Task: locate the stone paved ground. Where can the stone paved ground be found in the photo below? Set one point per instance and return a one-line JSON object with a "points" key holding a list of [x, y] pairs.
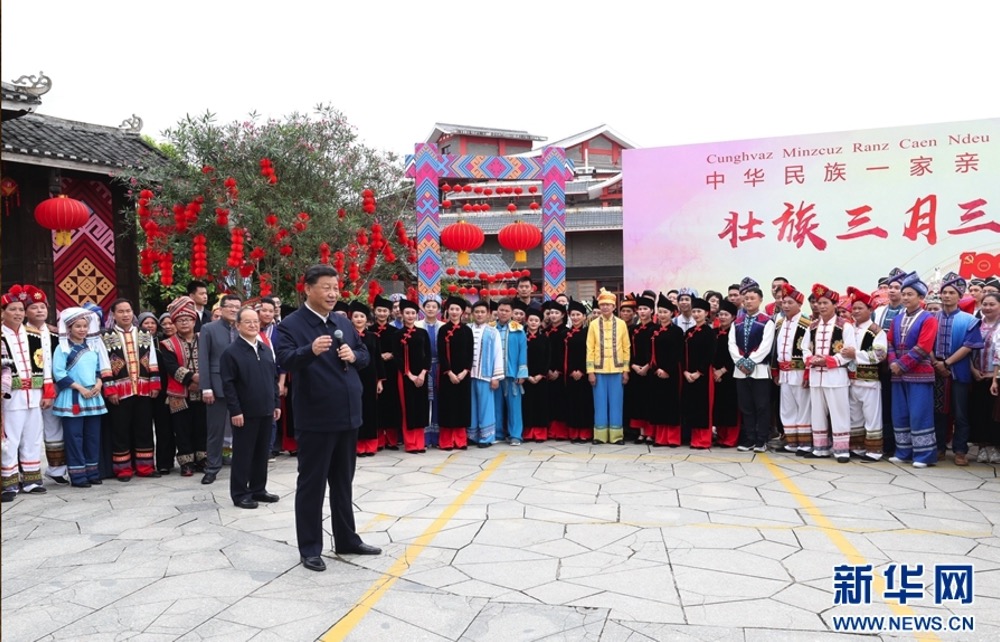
{"points": [[551, 542]]}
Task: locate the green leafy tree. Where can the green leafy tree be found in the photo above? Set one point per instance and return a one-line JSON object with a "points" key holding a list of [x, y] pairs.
{"points": [[249, 205]]}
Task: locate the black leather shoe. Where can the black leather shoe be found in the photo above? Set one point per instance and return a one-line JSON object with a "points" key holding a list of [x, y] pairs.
{"points": [[267, 498], [314, 563], [81, 485], [96, 482], [246, 502], [208, 478], [362, 549]]}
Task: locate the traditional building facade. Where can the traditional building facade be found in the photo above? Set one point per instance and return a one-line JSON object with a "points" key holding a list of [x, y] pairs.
{"points": [[44, 156], [593, 199]]}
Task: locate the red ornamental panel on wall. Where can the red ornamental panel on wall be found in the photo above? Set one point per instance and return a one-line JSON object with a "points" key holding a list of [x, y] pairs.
{"points": [[84, 270]]}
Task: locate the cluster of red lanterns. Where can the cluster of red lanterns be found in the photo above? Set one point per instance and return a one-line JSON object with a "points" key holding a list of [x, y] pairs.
{"points": [[488, 191], [167, 268], [475, 208], [146, 259], [265, 284], [374, 289], [199, 257], [236, 248], [267, 171], [368, 201], [221, 217], [231, 189], [302, 222], [324, 252], [488, 280], [146, 222], [185, 215]]}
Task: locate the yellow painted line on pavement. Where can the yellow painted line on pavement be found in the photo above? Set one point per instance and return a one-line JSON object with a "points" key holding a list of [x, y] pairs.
{"points": [[380, 517], [378, 589], [836, 536], [440, 467]]}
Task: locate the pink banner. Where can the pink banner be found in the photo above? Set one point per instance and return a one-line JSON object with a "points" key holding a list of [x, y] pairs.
{"points": [[840, 208]]}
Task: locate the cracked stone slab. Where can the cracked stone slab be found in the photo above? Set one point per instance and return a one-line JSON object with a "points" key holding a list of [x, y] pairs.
{"points": [[503, 622]]}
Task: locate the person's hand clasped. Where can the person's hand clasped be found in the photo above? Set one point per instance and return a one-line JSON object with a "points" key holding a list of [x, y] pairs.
{"points": [[237, 421]]}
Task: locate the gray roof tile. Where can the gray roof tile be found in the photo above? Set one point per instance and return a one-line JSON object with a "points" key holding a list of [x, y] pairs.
{"points": [[577, 220], [88, 144]]}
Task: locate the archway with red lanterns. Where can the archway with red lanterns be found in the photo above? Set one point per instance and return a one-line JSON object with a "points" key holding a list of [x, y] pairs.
{"points": [[428, 167]]}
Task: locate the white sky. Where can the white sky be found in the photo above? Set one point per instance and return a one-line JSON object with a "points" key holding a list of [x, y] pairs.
{"points": [[661, 73]]}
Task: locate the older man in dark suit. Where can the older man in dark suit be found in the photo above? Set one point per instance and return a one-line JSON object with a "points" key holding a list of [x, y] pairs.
{"points": [[323, 353], [213, 339], [251, 387]]}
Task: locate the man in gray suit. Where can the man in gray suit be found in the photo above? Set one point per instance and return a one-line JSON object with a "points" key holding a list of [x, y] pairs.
{"points": [[214, 338]]}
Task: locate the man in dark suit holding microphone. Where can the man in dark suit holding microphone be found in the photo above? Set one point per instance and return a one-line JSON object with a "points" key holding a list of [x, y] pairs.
{"points": [[324, 353]]}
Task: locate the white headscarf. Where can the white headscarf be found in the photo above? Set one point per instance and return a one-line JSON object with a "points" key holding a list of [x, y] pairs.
{"points": [[94, 342]]}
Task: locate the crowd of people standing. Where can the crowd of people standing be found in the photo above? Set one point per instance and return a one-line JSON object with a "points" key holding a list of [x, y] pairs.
{"points": [[896, 371]]}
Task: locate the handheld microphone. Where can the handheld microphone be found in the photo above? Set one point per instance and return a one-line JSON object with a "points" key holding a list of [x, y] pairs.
{"points": [[338, 336]]}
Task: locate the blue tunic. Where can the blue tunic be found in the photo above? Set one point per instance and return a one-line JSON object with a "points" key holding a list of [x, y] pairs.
{"points": [[80, 366]]}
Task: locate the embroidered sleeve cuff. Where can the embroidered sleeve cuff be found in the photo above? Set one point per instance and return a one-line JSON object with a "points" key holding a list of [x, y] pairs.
{"points": [[65, 382]]}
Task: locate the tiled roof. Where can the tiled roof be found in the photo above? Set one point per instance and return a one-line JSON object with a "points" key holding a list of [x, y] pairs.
{"points": [[577, 220], [489, 263], [440, 129], [84, 144], [576, 139], [13, 93]]}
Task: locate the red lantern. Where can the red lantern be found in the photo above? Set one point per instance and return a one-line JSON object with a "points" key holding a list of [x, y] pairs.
{"points": [[519, 237], [463, 238], [534, 205], [62, 214], [446, 204], [533, 189], [450, 271]]}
